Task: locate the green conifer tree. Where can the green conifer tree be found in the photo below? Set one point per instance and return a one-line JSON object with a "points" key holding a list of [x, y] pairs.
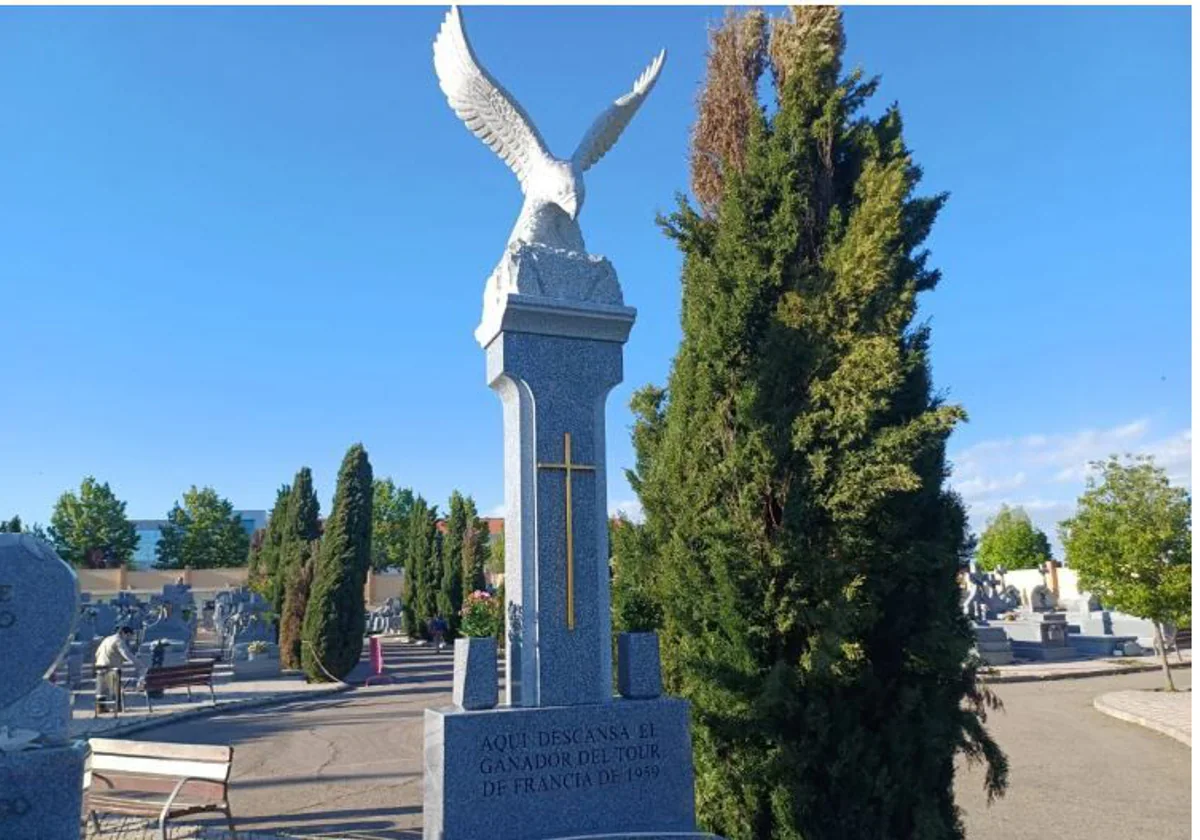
{"points": [[301, 525], [805, 548], [476, 549], [420, 600], [264, 563], [295, 605], [454, 543], [335, 618]]}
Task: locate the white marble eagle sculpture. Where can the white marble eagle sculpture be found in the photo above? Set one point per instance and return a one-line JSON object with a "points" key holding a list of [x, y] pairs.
{"points": [[553, 187]]}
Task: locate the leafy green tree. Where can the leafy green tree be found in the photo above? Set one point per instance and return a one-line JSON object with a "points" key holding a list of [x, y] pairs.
{"points": [[450, 586], [92, 524], [11, 526], [1011, 540], [335, 620], [389, 536], [1130, 541], [804, 547], [202, 533], [264, 561]]}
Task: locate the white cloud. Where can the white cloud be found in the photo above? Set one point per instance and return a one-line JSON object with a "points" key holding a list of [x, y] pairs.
{"points": [[497, 512], [630, 508], [1045, 473]]}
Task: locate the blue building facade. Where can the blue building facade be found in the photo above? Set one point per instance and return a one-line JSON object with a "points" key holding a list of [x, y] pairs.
{"points": [[144, 556]]}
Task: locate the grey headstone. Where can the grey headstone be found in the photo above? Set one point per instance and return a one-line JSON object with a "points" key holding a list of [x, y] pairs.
{"points": [[41, 791], [41, 788], [475, 684], [568, 771], [46, 709], [174, 629], [38, 593], [639, 669]]}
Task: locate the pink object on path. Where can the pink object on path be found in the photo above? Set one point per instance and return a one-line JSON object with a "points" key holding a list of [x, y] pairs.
{"points": [[376, 652]]}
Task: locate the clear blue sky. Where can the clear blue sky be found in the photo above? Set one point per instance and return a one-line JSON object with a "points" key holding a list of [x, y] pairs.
{"points": [[237, 240]]}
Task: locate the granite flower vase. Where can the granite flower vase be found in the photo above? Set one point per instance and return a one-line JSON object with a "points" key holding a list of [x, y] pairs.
{"points": [[475, 683], [639, 669]]}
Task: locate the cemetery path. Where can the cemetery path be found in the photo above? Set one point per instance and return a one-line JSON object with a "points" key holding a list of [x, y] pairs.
{"points": [[348, 767], [1077, 774]]}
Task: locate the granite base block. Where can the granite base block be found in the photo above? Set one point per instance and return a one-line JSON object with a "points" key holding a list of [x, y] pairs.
{"points": [[475, 684], [602, 770], [639, 669], [41, 792]]}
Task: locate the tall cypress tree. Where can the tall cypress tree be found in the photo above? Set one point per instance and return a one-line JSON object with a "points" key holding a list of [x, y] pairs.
{"points": [[450, 590], [335, 619], [300, 526], [420, 600], [295, 605], [264, 567], [476, 547], [792, 474]]}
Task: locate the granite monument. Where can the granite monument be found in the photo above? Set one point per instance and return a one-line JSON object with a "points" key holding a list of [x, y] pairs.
{"points": [[562, 757]]}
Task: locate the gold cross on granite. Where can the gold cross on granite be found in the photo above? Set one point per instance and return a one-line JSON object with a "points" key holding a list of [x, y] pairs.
{"points": [[569, 467]]}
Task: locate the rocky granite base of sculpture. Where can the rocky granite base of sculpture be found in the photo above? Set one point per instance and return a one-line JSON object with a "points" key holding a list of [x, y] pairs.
{"points": [[607, 769], [552, 274]]}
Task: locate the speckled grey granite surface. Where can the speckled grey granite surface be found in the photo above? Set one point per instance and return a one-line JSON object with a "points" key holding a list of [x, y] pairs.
{"points": [[639, 668], [623, 767]]}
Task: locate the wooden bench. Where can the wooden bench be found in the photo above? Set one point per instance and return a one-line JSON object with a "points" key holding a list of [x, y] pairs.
{"points": [[156, 780], [189, 676]]}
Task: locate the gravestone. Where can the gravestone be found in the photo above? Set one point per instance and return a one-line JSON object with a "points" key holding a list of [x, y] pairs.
{"points": [[562, 757], [255, 629], [41, 770]]}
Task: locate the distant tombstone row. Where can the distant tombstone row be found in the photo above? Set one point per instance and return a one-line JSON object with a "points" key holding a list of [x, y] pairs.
{"points": [[987, 598], [240, 616], [387, 618]]}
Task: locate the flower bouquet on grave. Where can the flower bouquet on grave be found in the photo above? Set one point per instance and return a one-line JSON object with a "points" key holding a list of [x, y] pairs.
{"points": [[255, 649], [480, 615]]}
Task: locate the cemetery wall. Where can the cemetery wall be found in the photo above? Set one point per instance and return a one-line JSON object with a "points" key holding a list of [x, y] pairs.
{"points": [[104, 583], [1026, 579]]}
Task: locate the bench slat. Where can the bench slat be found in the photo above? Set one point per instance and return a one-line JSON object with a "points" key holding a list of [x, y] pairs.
{"points": [[179, 768], [127, 787], [160, 749]]}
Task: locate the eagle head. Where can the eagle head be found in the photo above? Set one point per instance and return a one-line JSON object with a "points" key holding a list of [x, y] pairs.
{"points": [[560, 182]]}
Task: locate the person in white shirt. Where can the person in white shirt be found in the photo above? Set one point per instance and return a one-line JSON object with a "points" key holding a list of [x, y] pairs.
{"points": [[112, 652]]}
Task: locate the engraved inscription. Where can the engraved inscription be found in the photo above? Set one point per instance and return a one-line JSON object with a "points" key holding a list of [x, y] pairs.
{"points": [[7, 617], [536, 761], [18, 806]]}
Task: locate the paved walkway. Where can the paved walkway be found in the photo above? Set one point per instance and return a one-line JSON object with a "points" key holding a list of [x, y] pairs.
{"points": [[175, 705], [1167, 712], [1076, 774], [1077, 668], [351, 766]]}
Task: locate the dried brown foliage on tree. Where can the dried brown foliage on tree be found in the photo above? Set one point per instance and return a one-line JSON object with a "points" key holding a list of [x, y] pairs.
{"points": [[727, 103], [812, 38], [295, 602]]}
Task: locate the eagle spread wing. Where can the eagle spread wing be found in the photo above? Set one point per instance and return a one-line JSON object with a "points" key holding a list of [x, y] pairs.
{"points": [[482, 103], [609, 125]]}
